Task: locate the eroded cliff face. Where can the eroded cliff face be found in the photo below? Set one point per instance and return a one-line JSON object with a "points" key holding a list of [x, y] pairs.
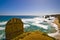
{"points": [[57, 20], [56, 15], [14, 27]]}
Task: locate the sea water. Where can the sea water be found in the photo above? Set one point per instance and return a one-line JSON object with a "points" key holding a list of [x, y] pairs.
{"points": [[31, 23]]}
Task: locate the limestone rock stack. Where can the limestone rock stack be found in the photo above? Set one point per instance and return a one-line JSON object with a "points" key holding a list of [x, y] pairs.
{"points": [[14, 27]]}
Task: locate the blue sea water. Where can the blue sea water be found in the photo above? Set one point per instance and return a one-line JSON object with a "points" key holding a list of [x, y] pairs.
{"points": [[29, 25], [5, 18]]}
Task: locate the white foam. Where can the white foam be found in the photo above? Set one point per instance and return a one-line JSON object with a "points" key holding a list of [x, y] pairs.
{"points": [[2, 28], [53, 34], [41, 25], [36, 22], [39, 19], [3, 23], [52, 19], [1, 36], [26, 25], [56, 27], [27, 20]]}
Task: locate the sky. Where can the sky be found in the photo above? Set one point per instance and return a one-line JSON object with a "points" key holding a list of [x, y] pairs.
{"points": [[29, 7]]}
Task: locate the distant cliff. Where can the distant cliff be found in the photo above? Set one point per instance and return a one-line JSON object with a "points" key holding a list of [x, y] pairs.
{"points": [[57, 20], [55, 15]]}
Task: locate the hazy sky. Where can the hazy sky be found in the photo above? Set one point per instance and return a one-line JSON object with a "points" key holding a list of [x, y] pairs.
{"points": [[24, 7]]}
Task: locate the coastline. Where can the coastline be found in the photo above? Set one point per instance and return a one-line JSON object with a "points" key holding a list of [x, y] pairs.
{"points": [[56, 21]]}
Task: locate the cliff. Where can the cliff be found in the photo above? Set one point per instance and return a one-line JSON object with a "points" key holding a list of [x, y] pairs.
{"points": [[57, 20], [55, 15], [37, 35]]}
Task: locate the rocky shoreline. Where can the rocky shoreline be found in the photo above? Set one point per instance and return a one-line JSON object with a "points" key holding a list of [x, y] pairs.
{"points": [[57, 22]]}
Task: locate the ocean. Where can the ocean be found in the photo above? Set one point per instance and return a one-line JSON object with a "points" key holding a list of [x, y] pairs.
{"points": [[31, 23]]}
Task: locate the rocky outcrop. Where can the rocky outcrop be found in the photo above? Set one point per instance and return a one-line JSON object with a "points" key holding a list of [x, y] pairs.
{"points": [[56, 15], [14, 27]]}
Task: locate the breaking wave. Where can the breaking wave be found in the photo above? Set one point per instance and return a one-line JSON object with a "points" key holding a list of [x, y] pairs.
{"points": [[3, 23], [2, 28]]}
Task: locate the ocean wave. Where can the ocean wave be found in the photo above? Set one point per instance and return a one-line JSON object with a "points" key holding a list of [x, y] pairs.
{"points": [[1, 36], [26, 25], [2, 28], [35, 21], [3, 23], [56, 33], [27, 20], [53, 34], [41, 25]]}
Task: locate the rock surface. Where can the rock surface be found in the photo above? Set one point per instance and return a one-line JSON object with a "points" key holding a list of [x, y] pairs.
{"points": [[14, 27], [36, 35]]}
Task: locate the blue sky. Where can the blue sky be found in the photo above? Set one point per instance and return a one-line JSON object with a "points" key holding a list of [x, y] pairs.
{"points": [[24, 7]]}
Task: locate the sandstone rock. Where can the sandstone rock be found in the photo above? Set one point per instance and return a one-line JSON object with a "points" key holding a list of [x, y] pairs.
{"points": [[36, 35], [14, 27], [55, 15]]}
